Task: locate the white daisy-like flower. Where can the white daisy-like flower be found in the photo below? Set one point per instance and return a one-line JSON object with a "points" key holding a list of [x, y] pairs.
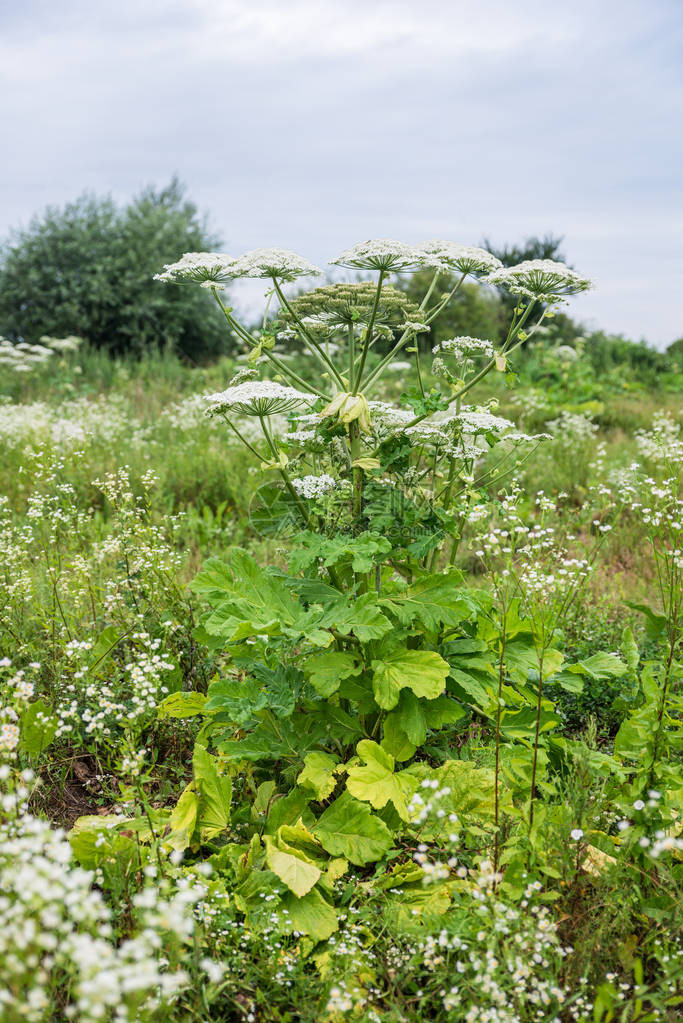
{"points": [[280, 263], [257, 398], [464, 346], [542, 279], [466, 259], [198, 268], [381, 254]]}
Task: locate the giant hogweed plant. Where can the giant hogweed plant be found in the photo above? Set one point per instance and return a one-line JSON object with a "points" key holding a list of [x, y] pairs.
{"points": [[349, 675]]}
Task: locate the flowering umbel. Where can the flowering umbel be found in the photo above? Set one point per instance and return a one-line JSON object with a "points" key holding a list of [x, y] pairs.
{"points": [[543, 279], [257, 398]]}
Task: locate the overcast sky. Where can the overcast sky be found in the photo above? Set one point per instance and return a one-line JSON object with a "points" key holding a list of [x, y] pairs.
{"points": [[314, 124]]}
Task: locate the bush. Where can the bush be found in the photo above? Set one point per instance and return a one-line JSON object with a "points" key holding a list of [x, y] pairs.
{"points": [[87, 270]]}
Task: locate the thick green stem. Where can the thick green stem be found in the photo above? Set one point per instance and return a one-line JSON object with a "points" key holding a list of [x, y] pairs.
{"points": [[244, 334], [307, 336], [246, 443], [357, 473], [352, 355], [430, 289], [285, 475], [446, 494], [368, 333], [408, 333]]}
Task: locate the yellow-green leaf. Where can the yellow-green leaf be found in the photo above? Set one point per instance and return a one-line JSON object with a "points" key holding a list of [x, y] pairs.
{"points": [[297, 872], [326, 671], [183, 820], [318, 774], [311, 915], [348, 828], [423, 671], [215, 793], [374, 781], [181, 705]]}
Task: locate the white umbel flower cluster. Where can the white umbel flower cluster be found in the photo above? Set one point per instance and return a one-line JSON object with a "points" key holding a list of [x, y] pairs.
{"points": [[472, 420], [542, 279], [465, 347], [314, 486], [257, 398], [384, 415], [213, 268], [465, 259], [381, 254], [23, 357], [62, 345], [198, 268], [565, 353], [570, 427], [280, 263], [427, 433]]}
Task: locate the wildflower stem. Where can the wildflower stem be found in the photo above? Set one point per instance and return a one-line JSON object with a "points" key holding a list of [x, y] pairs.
{"points": [[357, 473], [408, 332], [499, 703], [285, 475], [352, 353], [368, 333], [444, 302], [248, 339], [306, 335], [430, 289], [532, 795], [660, 716], [417, 368], [243, 439]]}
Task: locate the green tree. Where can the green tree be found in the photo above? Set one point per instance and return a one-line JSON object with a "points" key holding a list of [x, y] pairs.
{"points": [[87, 269], [474, 311], [548, 247], [675, 352]]}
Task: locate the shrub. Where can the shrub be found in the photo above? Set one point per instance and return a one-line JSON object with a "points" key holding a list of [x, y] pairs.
{"points": [[86, 270]]}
